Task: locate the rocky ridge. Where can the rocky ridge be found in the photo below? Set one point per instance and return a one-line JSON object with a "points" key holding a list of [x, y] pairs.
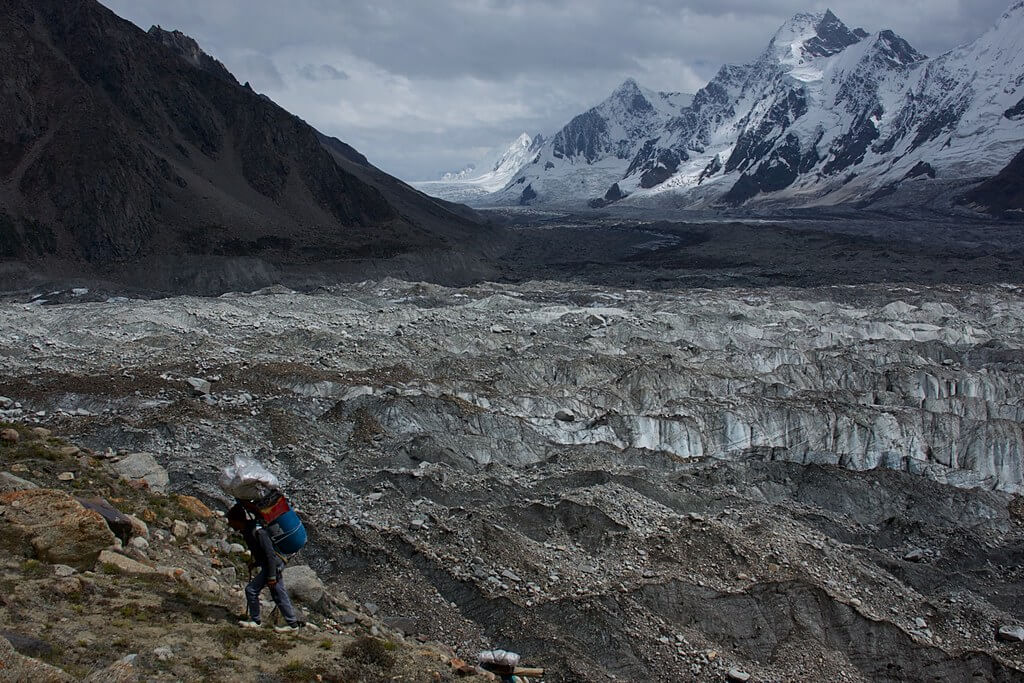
{"points": [[137, 158], [109, 596], [645, 485]]}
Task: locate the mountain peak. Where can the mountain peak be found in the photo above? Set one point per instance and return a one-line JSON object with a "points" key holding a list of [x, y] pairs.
{"points": [[628, 87], [806, 36], [630, 97]]}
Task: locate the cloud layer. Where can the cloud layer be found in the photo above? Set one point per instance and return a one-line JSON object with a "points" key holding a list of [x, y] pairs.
{"points": [[425, 87]]}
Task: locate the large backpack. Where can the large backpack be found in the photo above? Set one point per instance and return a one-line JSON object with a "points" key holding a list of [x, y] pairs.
{"points": [[281, 521]]}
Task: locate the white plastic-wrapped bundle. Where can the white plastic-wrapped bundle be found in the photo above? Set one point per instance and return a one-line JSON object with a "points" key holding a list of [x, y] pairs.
{"points": [[247, 479], [500, 658]]}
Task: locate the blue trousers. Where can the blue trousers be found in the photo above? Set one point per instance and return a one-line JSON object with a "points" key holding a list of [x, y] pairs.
{"points": [[277, 592]]}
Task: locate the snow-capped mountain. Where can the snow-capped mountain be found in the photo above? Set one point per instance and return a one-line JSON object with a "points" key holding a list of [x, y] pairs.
{"points": [[498, 168], [597, 148], [825, 115]]}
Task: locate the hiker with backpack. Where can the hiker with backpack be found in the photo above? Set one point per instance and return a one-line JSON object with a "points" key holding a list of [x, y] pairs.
{"points": [[271, 569]]}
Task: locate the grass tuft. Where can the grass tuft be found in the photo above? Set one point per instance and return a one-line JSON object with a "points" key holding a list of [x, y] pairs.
{"points": [[372, 652]]}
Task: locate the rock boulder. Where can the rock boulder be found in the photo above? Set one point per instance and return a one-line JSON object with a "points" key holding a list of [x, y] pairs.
{"points": [[17, 667], [195, 507], [145, 467], [304, 585], [10, 482], [52, 526]]}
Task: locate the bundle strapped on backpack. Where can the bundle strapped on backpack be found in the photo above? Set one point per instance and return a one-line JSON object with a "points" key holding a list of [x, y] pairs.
{"points": [[281, 521]]}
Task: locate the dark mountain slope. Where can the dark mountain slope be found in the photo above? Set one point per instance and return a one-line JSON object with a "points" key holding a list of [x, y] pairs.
{"points": [[1003, 192], [120, 146]]}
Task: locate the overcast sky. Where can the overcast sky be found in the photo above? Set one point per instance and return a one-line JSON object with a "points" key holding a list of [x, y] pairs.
{"points": [[422, 86]]}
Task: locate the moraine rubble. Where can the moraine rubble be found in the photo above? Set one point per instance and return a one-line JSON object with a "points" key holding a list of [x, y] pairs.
{"points": [[630, 485]]}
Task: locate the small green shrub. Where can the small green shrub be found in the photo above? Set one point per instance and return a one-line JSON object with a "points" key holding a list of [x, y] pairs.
{"points": [[33, 568], [298, 672], [371, 651]]}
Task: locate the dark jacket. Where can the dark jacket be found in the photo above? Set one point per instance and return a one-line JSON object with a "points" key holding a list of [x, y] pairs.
{"points": [[262, 549]]}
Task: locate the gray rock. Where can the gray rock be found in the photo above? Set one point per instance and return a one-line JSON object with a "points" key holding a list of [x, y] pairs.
{"points": [[304, 585], [406, 625], [6, 402], [200, 387], [63, 571], [163, 653], [10, 482], [1011, 634], [738, 675], [143, 466], [371, 608], [510, 575], [565, 416], [914, 555]]}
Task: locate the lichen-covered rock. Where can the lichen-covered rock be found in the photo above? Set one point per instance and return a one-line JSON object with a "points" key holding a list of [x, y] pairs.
{"points": [[143, 466], [52, 526], [195, 507], [125, 564], [10, 482], [124, 670], [16, 667], [139, 528]]}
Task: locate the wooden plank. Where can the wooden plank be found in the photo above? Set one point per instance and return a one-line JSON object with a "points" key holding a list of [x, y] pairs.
{"points": [[527, 671]]}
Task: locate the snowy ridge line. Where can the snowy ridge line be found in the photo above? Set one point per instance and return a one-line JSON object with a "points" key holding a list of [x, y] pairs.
{"points": [[825, 115]]}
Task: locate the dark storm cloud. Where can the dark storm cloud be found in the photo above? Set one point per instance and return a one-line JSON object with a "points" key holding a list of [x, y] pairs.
{"points": [[424, 82]]}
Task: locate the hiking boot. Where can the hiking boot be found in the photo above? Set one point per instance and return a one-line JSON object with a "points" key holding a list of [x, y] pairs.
{"points": [[289, 628], [249, 624]]}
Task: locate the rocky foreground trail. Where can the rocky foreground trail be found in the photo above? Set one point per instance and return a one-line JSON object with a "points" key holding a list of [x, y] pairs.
{"points": [[96, 593], [773, 484]]}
